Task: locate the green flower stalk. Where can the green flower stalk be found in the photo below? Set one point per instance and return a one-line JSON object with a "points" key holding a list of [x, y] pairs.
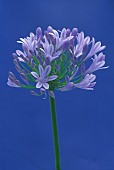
{"points": [[56, 60], [55, 133]]}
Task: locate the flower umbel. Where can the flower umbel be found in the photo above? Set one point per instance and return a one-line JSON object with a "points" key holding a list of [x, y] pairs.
{"points": [[57, 60]]}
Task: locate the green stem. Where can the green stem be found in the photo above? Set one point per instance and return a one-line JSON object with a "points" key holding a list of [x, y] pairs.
{"points": [[55, 133]]}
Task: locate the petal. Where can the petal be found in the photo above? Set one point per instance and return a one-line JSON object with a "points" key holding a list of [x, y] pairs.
{"points": [[58, 53], [93, 42], [67, 79], [47, 70], [39, 85], [87, 40], [24, 77], [23, 40], [69, 38], [80, 37], [18, 52], [41, 70], [42, 50], [12, 75], [74, 32], [35, 74], [49, 29], [25, 49], [38, 32], [68, 32], [51, 33], [53, 58], [92, 84], [102, 48], [42, 90], [11, 84], [55, 33], [103, 68], [51, 93], [51, 78], [47, 60], [68, 87], [19, 42], [97, 45], [92, 77], [14, 55], [34, 93], [20, 59], [63, 33], [51, 47], [46, 85]]}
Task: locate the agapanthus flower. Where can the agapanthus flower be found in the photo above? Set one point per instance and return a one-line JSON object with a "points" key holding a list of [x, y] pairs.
{"points": [[42, 80], [56, 60]]}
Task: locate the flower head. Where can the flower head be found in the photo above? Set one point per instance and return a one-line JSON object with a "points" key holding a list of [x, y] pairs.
{"points": [[57, 60]]}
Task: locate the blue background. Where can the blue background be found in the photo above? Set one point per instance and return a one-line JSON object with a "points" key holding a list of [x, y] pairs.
{"points": [[86, 118]]}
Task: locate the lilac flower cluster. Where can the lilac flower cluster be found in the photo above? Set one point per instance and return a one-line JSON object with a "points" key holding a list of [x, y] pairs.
{"points": [[57, 60]]}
